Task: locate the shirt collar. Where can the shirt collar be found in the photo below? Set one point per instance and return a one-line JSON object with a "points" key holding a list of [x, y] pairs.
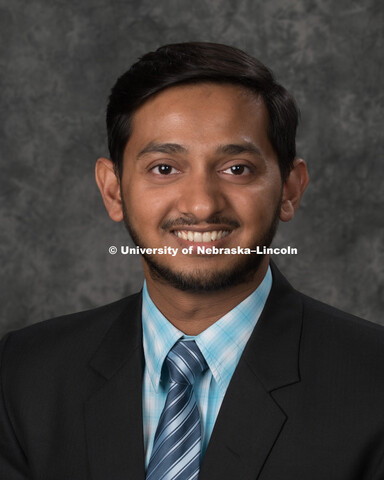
{"points": [[159, 336], [221, 344]]}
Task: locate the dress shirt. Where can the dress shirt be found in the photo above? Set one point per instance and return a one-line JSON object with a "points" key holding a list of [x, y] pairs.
{"points": [[221, 344]]}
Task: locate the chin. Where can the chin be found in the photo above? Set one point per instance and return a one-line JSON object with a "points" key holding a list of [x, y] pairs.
{"points": [[202, 280]]}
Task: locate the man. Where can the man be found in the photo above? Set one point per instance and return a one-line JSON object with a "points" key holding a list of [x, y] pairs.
{"points": [[218, 369]]}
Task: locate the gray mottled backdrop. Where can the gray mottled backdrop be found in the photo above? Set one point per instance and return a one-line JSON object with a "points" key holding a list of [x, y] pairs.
{"points": [[58, 62]]}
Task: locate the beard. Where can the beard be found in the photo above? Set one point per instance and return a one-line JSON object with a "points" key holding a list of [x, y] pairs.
{"points": [[199, 280]]}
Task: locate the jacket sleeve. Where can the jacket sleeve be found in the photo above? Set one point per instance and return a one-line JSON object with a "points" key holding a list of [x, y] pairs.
{"points": [[13, 462]]}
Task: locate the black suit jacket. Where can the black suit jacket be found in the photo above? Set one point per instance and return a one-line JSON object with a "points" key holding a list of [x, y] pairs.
{"points": [[306, 401]]}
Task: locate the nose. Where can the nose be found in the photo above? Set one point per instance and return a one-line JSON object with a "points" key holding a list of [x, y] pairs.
{"points": [[201, 197]]}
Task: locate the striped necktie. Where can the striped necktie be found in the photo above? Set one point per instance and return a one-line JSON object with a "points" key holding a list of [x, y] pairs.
{"points": [[177, 443]]}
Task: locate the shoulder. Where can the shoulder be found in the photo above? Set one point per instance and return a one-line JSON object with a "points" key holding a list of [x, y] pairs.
{"points": [[324, 316], [70, 337], [341, 341], [322, 323]]}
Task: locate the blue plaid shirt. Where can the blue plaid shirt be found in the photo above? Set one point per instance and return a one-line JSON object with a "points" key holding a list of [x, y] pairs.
{"points": [[221, 344]]}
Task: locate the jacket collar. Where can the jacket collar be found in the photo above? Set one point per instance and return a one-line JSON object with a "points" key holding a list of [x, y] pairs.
{"points": [[113, 412], [251, 419], [272, 352], [122, 340]]}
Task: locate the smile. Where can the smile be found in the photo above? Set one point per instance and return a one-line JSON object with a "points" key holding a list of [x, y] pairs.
{"points": [[201, 236]]}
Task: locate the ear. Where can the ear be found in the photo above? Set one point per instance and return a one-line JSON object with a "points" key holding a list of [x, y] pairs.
{"points": [[109, 186], [293, 189]]}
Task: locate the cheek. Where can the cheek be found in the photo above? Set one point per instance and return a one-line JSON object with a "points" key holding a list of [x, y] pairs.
{"points": [[147, 208], [255, 206]]}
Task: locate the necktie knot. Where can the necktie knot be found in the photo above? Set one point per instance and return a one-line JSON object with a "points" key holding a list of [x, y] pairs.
{"points": [[185, 362]]}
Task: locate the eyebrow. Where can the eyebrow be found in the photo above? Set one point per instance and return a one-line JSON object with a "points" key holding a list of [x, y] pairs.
{"points": [[153, 147], [238, 149], [228, 149]]}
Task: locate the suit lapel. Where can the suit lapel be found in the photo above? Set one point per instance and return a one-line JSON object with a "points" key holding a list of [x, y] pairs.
{"points": [[250, 420], [246, 428], [113, 413]]}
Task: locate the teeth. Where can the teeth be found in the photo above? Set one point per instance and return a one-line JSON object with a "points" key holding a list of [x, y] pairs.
{"points": [[200, 237], [206, 237]]}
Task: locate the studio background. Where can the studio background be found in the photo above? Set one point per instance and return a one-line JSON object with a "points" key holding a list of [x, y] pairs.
{"points": [[58, 63]]}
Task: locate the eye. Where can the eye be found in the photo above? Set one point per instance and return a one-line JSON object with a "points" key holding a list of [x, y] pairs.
{"points": [[164, 169], [237, 170]]}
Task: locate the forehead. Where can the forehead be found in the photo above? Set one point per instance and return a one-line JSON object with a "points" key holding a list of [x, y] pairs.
{"points": [[203, 114]]}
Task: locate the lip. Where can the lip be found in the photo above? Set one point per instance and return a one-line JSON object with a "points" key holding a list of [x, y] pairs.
{"points": [[209, 228]]}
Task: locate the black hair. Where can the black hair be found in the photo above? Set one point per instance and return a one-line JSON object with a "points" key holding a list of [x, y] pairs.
{"points": [[197, 62]]}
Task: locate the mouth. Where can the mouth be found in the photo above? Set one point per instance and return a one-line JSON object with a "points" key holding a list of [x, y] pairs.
{"points": [[201, 237]]}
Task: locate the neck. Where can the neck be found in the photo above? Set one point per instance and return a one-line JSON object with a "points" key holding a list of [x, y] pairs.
{"points": [[194, 312]]}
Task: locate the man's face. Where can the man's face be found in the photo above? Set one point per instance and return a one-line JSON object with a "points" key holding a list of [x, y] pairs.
{"points": [[199, 170]]}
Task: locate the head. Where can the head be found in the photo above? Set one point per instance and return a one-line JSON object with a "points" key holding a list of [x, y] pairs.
{"points": [[202, 145], [193, 63]]}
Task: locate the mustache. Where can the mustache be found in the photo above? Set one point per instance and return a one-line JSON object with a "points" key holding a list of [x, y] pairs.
{"points": [[189, 221]]}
